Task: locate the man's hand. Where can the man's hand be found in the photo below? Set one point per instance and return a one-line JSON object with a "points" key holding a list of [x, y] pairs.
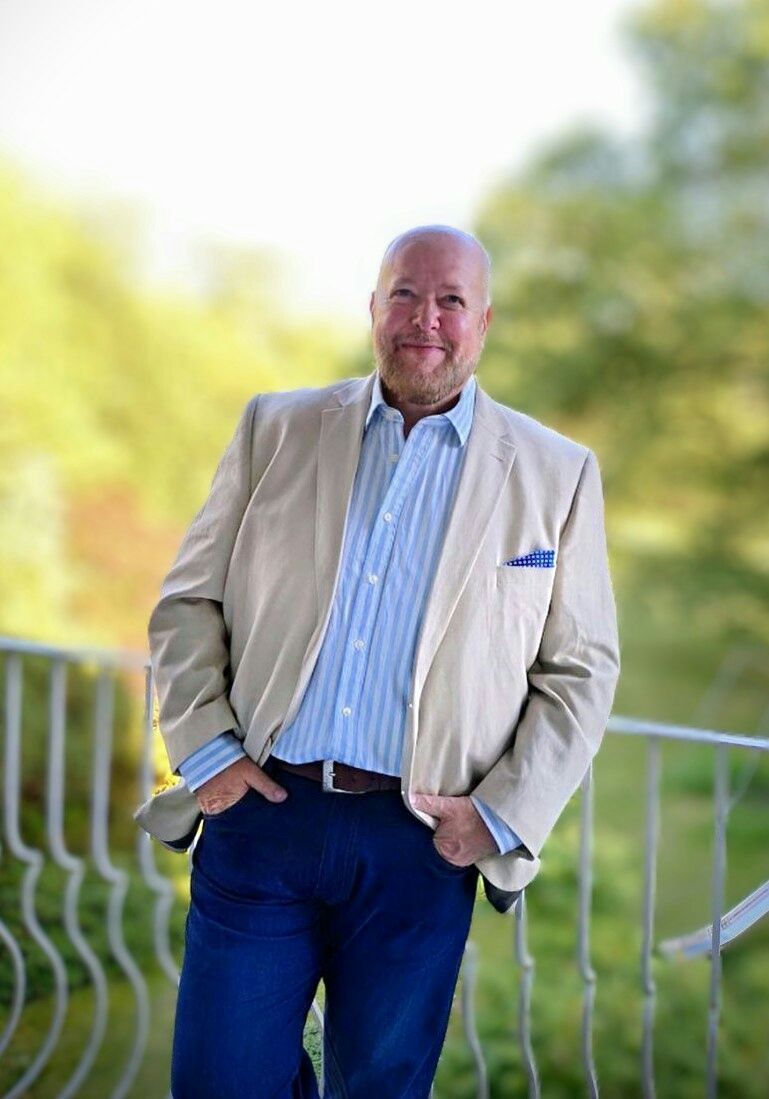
{"points": [[229, 786], [461, 836]]}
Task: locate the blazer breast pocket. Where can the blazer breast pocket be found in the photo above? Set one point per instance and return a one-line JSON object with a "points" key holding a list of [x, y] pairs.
{"points": [[525, 584]]}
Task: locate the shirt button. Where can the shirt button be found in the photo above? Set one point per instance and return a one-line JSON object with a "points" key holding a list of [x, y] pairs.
{"points": [[372, 578], [346, 711], [388, 517], [411, 705], [392, 457], [358, 644]]}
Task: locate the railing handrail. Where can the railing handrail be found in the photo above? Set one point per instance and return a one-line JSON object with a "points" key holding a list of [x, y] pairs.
{"points": [[629, 726], [113, 658], [635, 726]]}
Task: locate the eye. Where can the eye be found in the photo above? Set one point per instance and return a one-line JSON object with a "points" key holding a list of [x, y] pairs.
{"points": [[454, 299], [400, 290]]}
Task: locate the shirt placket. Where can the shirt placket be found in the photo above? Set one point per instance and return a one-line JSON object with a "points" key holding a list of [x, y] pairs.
{"points": [[374, 577]]}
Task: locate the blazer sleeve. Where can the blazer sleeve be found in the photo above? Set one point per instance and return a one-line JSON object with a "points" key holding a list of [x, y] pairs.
{"points": [[571, 682], [189, 644]]}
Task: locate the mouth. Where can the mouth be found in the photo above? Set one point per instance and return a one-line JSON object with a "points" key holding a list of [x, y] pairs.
{"points": [[423, 346]]}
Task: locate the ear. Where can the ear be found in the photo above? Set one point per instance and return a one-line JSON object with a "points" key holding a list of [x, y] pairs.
{"points": [[372, 299], [486, 319]]}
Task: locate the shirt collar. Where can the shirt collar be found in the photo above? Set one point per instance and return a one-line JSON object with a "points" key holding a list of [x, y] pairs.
{"points": [[460, 416]]}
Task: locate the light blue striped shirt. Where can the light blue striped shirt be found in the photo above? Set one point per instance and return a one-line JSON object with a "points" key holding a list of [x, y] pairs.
{"points": [[354, 708]]}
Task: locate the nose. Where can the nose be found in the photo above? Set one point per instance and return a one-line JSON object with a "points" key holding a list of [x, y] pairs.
{"points": [[426, 315]]}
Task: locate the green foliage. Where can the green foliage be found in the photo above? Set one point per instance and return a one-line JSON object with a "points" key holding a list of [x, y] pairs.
{"points": [[632, 299], [118, 402]]}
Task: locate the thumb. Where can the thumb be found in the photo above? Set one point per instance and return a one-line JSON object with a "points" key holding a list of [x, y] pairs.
{"points": [[261, 781], [434, 804]]}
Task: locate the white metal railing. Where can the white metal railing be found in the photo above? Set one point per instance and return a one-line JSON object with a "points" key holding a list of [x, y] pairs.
{"points": [[104, 666]]}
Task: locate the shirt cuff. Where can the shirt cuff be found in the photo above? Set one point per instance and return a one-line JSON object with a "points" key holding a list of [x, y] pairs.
{"points": [[505, 838], [210, 759]]}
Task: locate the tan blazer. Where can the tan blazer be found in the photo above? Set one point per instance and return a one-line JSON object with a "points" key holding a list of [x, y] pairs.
{"points": [[515, 667]]}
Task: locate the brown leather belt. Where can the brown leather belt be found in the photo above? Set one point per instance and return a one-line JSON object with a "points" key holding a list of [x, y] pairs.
{"points": [[342, 778]]}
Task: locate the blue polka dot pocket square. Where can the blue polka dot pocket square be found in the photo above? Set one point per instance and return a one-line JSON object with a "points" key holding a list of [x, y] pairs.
{"points": [[538, 559]]}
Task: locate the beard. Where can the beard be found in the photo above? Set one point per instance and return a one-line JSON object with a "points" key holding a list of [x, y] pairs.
{"points": [[421, 387]]}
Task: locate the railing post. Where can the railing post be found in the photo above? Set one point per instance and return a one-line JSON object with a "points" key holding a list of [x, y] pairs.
{"points": [[526, 965], [75, 870], [583, 931], [469, 980], [648, 985], [117, 879], [721, 810]]}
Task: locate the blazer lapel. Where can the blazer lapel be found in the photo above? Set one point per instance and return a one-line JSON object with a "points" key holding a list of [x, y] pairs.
{"points": [[341, 436], [487, 463]]}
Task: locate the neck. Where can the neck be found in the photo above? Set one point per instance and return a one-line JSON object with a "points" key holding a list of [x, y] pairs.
{"points": [[413, 413]]}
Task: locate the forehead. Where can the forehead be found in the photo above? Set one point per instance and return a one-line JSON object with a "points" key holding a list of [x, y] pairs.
{"points": [[437, 258]]}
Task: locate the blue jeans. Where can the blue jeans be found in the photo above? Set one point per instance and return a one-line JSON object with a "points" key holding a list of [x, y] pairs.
{"points": [[345, 887]]}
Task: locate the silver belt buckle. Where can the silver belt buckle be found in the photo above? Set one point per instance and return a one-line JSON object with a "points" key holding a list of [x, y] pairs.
{"points": [[328, 780]]}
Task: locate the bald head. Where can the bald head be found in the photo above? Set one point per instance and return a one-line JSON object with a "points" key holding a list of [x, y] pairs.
{"points": [[477, 258]]}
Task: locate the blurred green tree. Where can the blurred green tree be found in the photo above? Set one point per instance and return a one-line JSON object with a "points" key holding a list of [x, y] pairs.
{"points": [[117, 403], [631, 289]]}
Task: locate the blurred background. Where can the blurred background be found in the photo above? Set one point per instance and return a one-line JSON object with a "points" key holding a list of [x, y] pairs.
{"points": [[193, 203]]}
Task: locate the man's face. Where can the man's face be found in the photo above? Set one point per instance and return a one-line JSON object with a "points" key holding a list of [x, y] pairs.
{"points": [[429, 318]]}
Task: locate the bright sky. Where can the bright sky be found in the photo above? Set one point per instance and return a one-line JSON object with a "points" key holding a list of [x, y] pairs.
{"points": [[317, 129]]}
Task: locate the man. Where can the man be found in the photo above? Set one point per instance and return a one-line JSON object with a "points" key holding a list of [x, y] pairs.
{"points": [[397, 588]]}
